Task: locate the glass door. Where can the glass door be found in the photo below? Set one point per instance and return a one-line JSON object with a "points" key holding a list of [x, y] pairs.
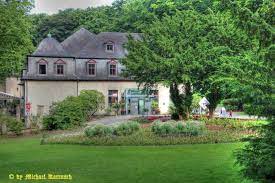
{"points": [[140, 106]]}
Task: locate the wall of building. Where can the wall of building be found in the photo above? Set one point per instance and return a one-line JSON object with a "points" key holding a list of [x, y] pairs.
{"points": [[33, 66], [44, 93], [11, 86]]}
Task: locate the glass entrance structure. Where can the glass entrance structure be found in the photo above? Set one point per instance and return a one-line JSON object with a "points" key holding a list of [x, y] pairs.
{"points": [[138, 101]]}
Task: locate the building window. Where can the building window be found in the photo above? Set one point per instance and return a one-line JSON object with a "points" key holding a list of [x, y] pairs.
{"points": [[42, 69], [112, 97], [91, 69], [60, 69], [113, 70], [110, 47]]}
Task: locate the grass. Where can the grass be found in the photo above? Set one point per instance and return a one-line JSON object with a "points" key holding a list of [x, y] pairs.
{"points": [[200, 163]]}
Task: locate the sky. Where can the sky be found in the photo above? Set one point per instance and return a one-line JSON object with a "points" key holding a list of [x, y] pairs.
{"points": [[52, 6]]}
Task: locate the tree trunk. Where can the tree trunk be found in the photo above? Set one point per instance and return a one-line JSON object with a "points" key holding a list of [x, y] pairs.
{"points": [[214, 99], [211, 112], [181, 100]]}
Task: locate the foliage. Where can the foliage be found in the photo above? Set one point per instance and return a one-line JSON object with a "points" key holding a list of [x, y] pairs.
{"points": [[92, 100], [73, 111], [65, 114], [145, 137], [254, 84], [66, 22], [123, 129], [15, 38], [195, 102], [189, 128], [99, 130], [60, 25], [128, 128], [12, 123], [236, 124], [233, 104], [258, 157]]}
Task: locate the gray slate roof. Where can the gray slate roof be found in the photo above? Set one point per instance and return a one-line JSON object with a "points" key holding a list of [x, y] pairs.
{"points": [[50, 47], [84, 44]]}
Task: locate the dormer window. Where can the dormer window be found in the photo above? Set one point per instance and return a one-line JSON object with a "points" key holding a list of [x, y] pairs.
{"points": [[42, 67], [112, 68], [110, 47], [60, 67], [91, 67]]}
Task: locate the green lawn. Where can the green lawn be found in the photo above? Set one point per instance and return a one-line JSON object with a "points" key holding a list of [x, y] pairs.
{"points": [[88, 164]]}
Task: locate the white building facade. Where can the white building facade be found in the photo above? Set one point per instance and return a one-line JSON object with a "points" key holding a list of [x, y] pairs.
{"points": [[84, 61]]}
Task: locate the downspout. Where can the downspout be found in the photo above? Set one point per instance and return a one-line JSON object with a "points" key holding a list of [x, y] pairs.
{"points": [[77, 79]]}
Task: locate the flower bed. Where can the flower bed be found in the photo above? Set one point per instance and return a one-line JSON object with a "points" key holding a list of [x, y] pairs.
{"points": [[145, 137], [159, 133]]}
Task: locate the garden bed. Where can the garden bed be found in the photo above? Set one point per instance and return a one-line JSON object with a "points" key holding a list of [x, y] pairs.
{"points": [[159, 133], [146, 137]]}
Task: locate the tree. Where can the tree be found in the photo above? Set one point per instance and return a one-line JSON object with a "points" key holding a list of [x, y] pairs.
{"points": [[60, 25], [15, 37], [167, 54], [255, 84]]}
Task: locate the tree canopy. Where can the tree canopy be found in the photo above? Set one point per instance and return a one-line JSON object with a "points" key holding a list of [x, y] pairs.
{"points": [[15, 37]]}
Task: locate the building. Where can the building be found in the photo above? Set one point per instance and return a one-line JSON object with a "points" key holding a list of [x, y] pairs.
{"points": [[11, 86], [84, 61]]}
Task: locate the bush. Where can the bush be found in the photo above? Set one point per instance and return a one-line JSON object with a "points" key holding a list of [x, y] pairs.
{"points": [[128, 128], [73, 111], [235, 123], [13, 125], [65, 114], [122, 129], [99, 131], [145, 137], [257, 158], [178, 128], [92, 101]]}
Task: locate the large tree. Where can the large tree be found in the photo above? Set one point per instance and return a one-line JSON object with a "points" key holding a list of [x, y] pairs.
{"points": [[170, 53], [255, 84], [15, 37]]}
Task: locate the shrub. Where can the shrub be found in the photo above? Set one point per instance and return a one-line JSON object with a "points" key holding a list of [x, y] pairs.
{"points": [[122, 129], [99, 131], [92, 101], [65, 114], [145, 137], [128, 128], [73, 111], [257, 158], [236, 124], [178, 128], [13, 125]]}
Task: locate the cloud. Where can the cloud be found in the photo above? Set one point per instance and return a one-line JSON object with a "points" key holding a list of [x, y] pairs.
{"points": [[53, 6]]}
